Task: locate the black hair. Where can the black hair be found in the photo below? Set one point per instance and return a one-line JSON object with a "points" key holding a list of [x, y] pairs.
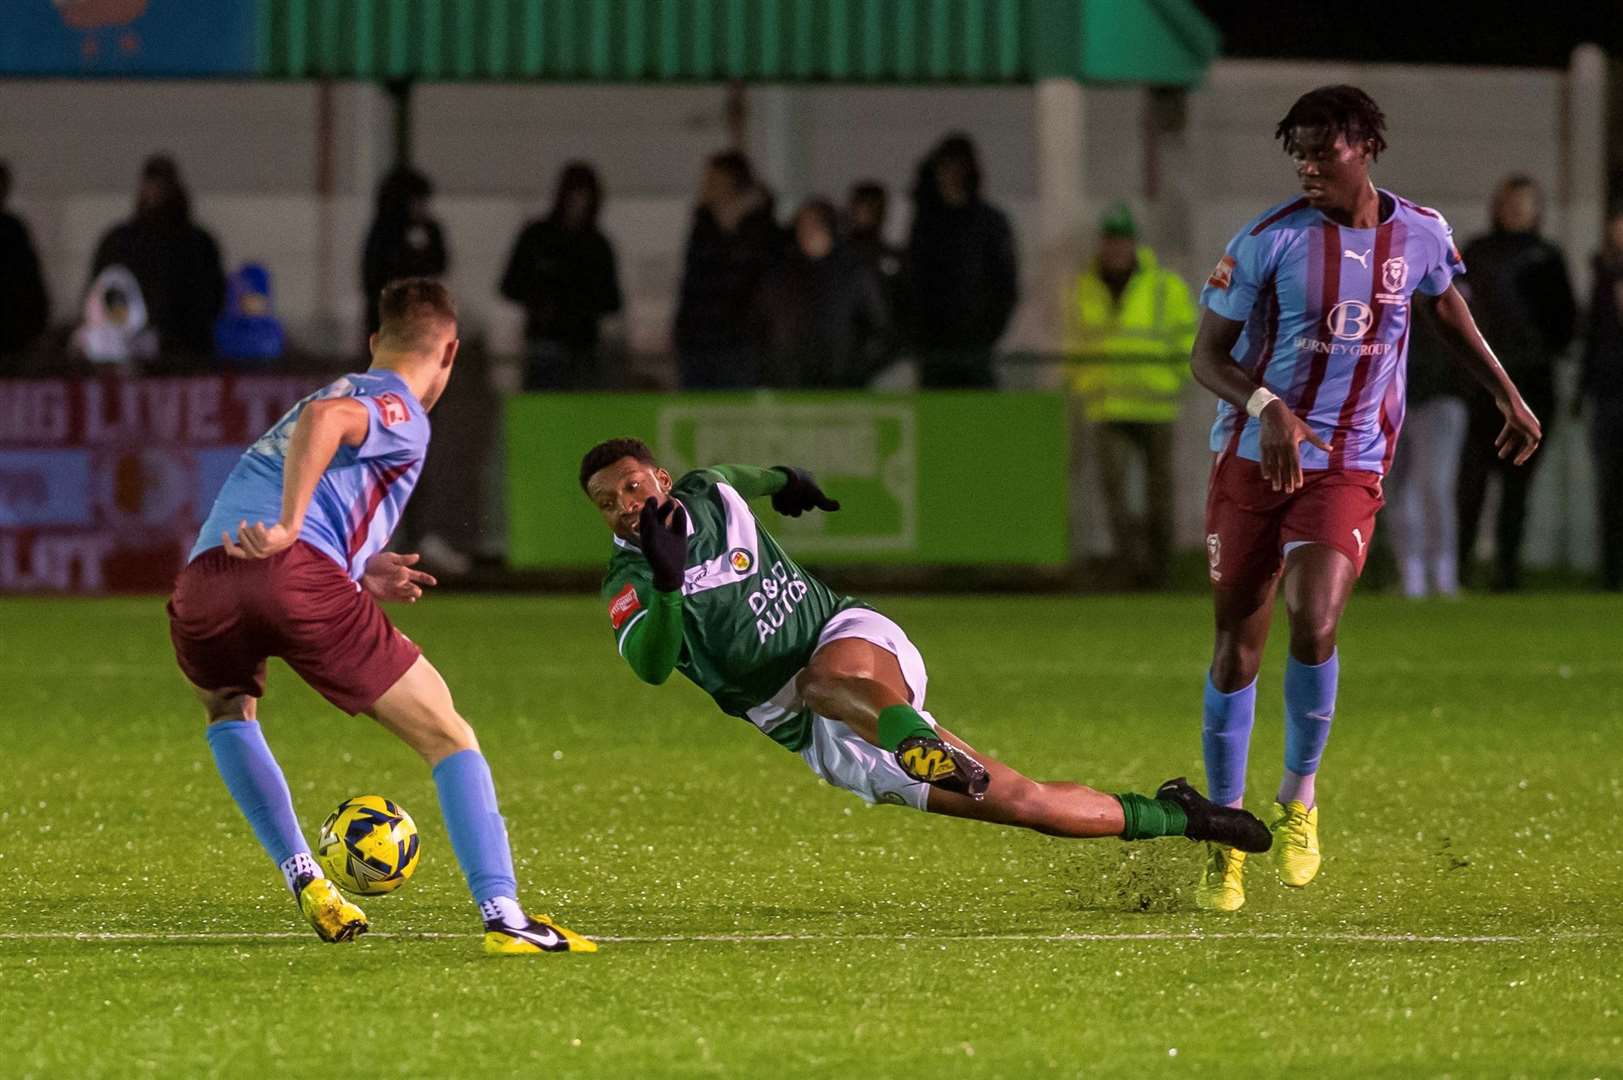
{"points": [[735, 166], [958, 147], [578, 176], [1344, 110], [869, 190], [398, 189], [5, 181], [606, 453], [175, 202]]}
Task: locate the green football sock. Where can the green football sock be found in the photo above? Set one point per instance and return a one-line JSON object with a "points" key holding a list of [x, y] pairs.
{"points": [[901, 722], [1147, 818]]}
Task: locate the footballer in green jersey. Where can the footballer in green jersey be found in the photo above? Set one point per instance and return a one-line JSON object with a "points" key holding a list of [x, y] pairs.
{"points": [[696, 585]]}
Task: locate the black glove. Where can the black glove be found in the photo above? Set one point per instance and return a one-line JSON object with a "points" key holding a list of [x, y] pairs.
{"points": [[663, 531], [800, 494]]}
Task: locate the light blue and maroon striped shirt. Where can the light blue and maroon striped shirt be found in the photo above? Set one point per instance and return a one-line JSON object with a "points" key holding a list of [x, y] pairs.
{"points": [[358, 500], [1326, 313]]}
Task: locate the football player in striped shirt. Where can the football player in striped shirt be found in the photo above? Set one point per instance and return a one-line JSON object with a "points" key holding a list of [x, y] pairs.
{"points": [[332, 477], [1303, 337]]}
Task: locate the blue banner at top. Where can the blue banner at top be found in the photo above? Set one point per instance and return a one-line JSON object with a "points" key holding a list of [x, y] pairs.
{"points": [[127, 37]]}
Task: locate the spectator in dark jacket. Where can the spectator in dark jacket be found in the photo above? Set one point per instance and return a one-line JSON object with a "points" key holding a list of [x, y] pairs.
{"points": [[562, 270], [866, 209], [24, 305], [962, 268], [176, 263], [732, 241], [404, 240], [1517, 284], [1603, 389], [820, 315]]}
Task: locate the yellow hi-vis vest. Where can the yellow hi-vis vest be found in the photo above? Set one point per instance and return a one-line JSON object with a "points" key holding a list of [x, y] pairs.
{"points": [[1129, 361]]}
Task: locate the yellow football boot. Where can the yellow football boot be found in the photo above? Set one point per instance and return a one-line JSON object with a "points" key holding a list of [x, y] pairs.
{"points": [[539, 934], [335, 918], [1296, 842], [1222, 886]]}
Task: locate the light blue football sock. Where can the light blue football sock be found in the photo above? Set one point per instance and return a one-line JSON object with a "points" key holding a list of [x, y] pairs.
{"points": [[478, 834], [256, 783], [1225, 740], [1310, 703]]}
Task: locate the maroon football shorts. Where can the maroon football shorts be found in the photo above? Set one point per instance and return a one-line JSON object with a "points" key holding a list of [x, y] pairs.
{"points": [[1249, 524], [228, 615]]}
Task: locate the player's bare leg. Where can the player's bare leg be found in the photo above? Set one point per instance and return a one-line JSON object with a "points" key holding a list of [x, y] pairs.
{"points": [[256, 782], [1054, 807], [1242, 619], [1319, 580], [419, 710], [853, 681]]}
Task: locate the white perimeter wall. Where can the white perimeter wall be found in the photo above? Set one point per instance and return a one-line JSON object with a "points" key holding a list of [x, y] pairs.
{"points": [[249, 153]]}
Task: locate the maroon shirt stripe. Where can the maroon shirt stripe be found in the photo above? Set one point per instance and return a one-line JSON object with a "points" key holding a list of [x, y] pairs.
{"points": [[1329, 290], [1256, 362], [1389, 423], [1366, 359], [1299, 204], [357, 535]]}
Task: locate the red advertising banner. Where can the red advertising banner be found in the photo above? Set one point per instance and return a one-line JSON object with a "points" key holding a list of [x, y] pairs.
{"points": [[105, 482]]}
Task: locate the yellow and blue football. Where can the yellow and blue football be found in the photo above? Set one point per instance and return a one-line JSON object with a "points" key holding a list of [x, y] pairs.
{"points": [[369, 845]]}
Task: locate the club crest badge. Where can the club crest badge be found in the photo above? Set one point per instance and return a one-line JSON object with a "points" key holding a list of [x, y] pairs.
{"points": [[1395, 273]]}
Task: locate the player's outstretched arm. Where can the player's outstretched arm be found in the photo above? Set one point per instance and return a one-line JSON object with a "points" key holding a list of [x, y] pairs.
{"points": [[751, 481], [794, 491], [323, 426], [1522, 431], [1212, 363]]}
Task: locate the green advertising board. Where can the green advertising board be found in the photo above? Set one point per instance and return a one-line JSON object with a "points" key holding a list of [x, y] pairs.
{"points": [[945, 479]]}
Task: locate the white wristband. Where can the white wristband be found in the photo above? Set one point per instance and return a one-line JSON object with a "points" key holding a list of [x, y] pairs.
{"points": [[1260, 400]]}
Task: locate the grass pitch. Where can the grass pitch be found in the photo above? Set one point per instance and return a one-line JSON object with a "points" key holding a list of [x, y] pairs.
{"points": [[1466, 922]]}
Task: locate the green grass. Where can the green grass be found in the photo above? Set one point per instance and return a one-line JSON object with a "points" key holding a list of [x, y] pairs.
{"points": [[1474, 787]]}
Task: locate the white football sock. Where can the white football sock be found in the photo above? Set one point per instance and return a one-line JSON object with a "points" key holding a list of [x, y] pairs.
{"points": [[504, 909], [299, 866]]}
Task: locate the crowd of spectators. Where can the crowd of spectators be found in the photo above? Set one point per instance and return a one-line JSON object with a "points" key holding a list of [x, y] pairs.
{"points": [[819, 298]]}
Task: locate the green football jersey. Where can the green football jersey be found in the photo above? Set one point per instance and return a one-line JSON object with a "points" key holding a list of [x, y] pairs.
{"points": [[750, 616]]}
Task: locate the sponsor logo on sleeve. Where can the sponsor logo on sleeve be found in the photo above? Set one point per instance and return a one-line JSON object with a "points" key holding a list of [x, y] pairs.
{"points": [[392, 410], [1223, 273], [1214, 555], [624, 605]]}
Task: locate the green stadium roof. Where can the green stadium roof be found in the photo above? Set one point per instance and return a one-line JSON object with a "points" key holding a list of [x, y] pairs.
{"points": [[1163, 42]]}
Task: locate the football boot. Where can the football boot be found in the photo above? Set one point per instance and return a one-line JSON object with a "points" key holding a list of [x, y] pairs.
{"points": [[334, 917], [539, 934], [1222, 886], [939, 763], [1227, 825], [1296, 852]]}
